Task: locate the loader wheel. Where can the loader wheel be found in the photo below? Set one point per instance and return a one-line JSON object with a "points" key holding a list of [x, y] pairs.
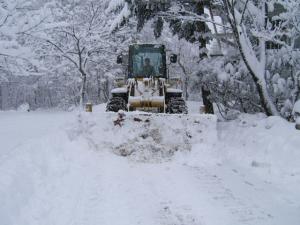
{"points": [[177, 106], [115, 104]]}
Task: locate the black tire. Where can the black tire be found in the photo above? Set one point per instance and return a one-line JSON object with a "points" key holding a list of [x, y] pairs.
{"points": [[177, 106], [115, 104]]}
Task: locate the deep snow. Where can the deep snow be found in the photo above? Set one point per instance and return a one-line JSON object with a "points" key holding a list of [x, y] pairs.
{"points": [[78, 168]]}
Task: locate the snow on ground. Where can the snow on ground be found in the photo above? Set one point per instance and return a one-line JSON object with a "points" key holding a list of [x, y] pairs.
{"points": [[78, 168], [19, 127]]}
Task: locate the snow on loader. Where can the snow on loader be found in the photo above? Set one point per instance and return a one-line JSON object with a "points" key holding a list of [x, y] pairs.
{"points": [[147, 86]]}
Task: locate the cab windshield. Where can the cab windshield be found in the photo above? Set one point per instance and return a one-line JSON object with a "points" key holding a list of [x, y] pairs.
{"points": [[147, 64]]}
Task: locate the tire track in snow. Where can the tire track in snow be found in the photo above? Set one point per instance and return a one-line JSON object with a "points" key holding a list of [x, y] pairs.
{"points": [[241, 211], [172, 215], [86, 211]]}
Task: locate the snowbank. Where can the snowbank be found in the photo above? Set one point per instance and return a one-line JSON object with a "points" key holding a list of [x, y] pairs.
{"points": [[35, 170], [269, 146]]}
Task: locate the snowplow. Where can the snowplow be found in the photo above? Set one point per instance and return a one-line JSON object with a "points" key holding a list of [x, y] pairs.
{"points": [[147, 85]]}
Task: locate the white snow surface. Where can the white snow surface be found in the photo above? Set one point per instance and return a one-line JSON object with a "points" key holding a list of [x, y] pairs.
{"points": [[173, 90], [297, 107], [79, 168], [119, 90]]}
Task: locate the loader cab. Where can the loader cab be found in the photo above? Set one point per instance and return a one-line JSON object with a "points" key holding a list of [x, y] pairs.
{"points": [[147, 85], [146, 61]]}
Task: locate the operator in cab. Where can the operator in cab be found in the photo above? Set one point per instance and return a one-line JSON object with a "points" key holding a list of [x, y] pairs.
{"points": [[148, 69]]}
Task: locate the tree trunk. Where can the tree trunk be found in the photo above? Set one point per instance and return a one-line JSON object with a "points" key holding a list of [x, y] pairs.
{"points": [[209, 109], [83, 89], [186, 79], [106, 90], [260, 84], [98, 87], [252, 63], [200, 27]]}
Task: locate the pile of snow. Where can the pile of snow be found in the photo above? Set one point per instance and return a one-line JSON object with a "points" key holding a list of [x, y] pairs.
{"points": [[268, 146], [35, 155], [144, 137], [24, 108]]}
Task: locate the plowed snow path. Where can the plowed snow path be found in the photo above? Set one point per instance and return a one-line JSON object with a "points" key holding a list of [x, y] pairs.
{"points": [[58, 180], [110, 190]]}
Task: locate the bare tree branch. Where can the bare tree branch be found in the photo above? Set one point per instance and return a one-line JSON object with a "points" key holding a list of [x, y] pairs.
{"points": [[63, 53]]}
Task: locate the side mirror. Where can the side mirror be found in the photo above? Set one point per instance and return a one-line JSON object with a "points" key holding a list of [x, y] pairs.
{"points": [[120, 59], [173, 58]]}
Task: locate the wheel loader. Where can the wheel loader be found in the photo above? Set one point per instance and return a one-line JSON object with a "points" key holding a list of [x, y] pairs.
{"points": [[147, 85]]}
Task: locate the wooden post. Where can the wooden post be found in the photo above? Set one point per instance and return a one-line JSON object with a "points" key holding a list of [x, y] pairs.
{"points": [[89, 107]]}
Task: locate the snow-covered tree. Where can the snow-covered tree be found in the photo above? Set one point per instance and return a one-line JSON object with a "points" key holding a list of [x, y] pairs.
{"points": [[254, 29], [82, 43], [16, 18]]}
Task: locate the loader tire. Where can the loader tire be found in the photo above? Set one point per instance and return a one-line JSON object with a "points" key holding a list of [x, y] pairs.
{"points": [[177, 106], [115, 104]]}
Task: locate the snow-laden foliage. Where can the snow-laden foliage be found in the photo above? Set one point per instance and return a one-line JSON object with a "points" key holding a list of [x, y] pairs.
{"points": [[18, 17], [229, 83], [121, 9], [74, 52], [259, 28], [85, 48]]}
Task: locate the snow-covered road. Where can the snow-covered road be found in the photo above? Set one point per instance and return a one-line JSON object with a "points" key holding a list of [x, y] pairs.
{"points": [[70, 172]]}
